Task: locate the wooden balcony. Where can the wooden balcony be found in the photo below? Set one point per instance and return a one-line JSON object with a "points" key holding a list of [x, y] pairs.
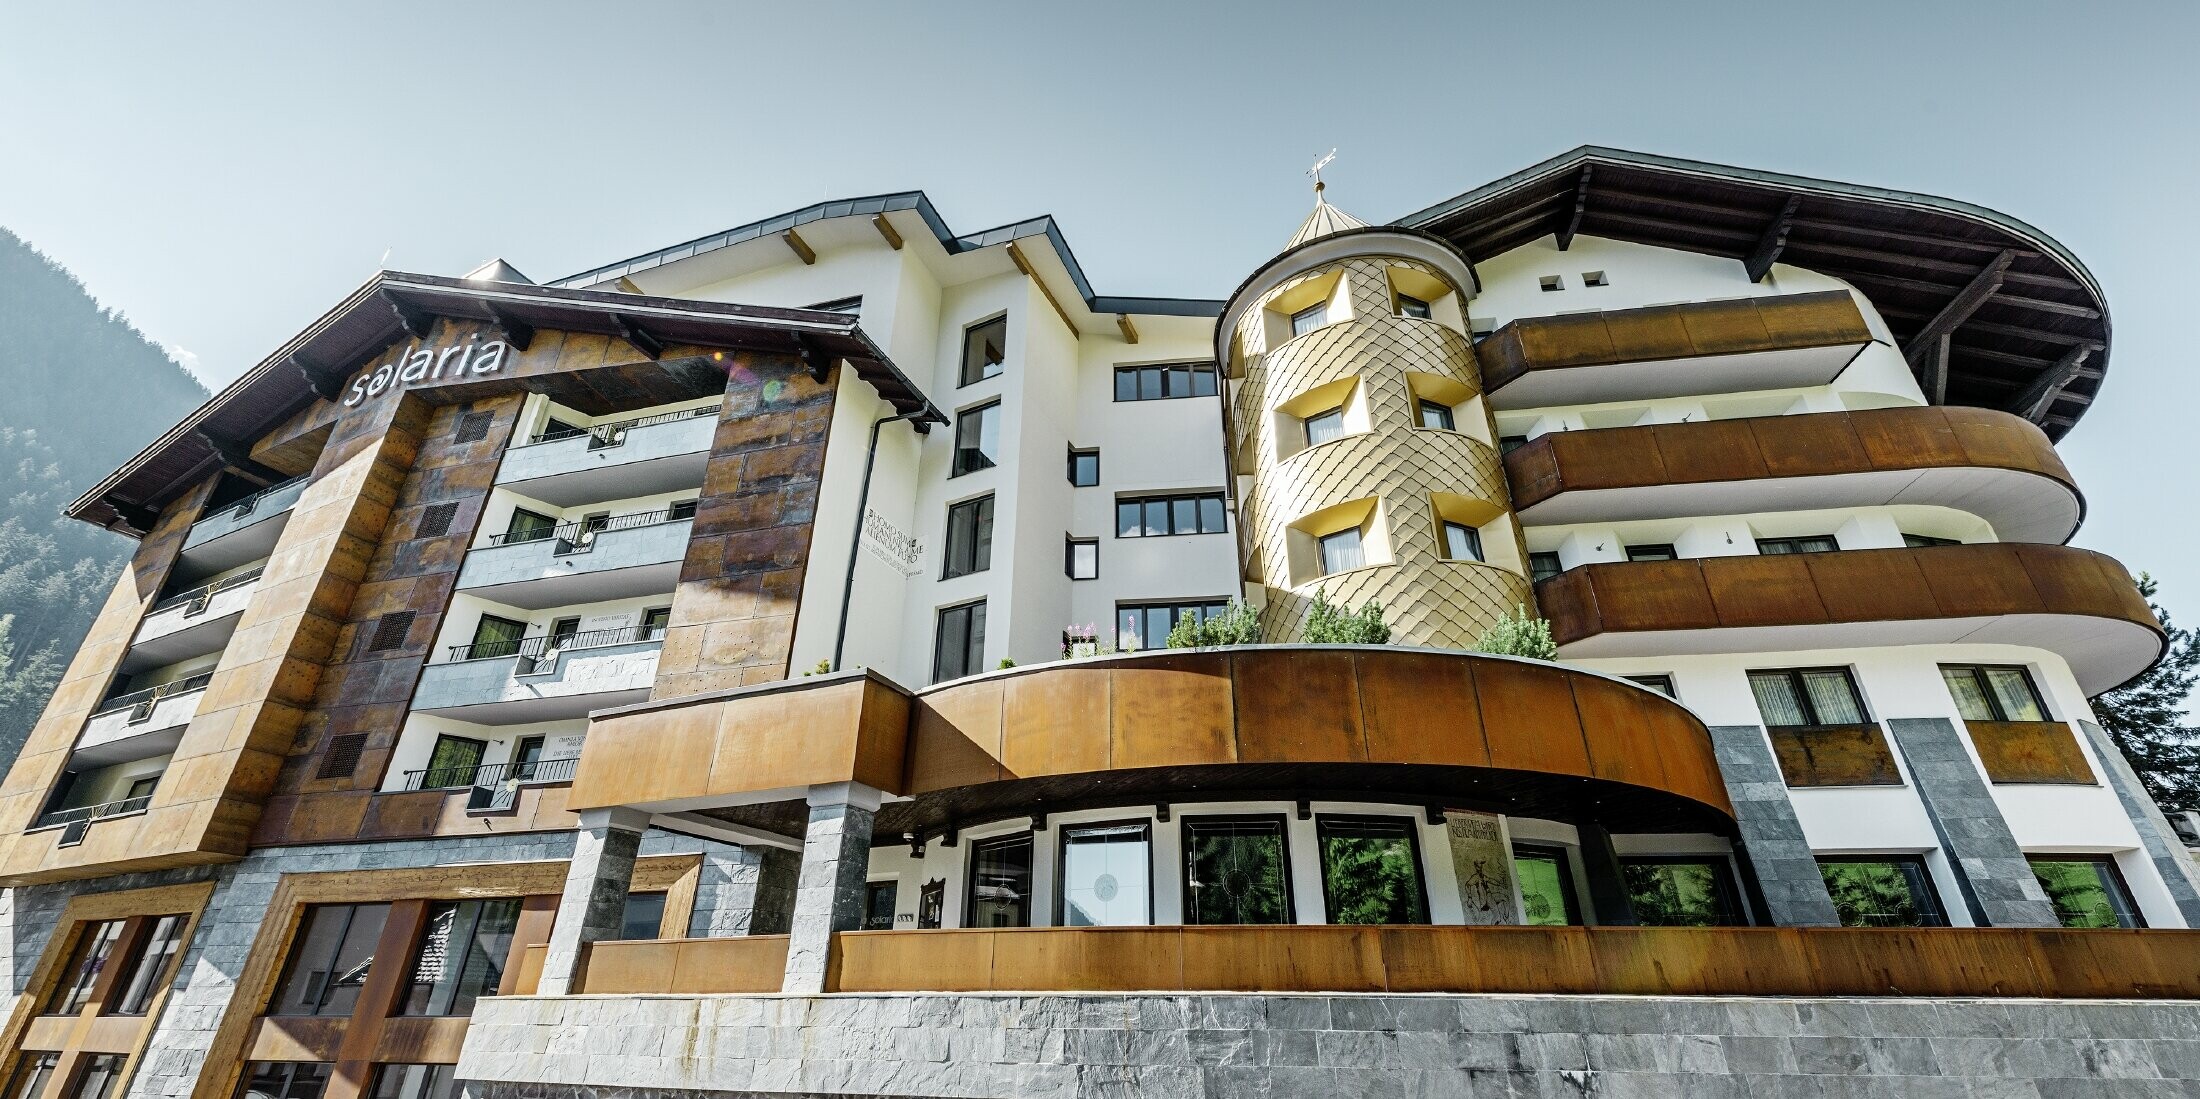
{"points": [[1991, 464], [2078, 603], [1777, 342]]}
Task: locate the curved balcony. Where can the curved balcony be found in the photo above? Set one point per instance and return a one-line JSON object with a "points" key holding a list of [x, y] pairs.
{"points": [[243, 531], [1777, 342], [1452, 727], [1991, 464], [2074, 602]]}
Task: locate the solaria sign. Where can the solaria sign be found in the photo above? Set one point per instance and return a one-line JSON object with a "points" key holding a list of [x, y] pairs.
{"points": [[422, 363]]}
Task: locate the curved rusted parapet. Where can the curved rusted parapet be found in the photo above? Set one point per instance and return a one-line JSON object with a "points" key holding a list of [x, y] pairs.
{"points": [[1999, 467], [1447, 726], [2077, 603]]}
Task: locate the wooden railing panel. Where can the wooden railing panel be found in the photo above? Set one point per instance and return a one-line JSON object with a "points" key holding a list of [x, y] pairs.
{"points": [[748, 963]]}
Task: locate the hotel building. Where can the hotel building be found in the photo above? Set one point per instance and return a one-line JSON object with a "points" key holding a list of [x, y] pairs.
{"points": [[744, 668]]}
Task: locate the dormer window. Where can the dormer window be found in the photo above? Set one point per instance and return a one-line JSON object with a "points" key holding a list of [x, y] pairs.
{"points": [[1308, 319], [1410, 306]]}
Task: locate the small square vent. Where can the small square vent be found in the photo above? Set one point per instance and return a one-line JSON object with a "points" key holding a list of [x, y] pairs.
{"points": [[436, 521], [474, 427], [389, 632], [342, 757]]}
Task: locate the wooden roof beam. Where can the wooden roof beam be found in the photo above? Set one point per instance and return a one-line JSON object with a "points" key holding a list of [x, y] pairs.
{"points": [[2040, 396], [801, 247], [1896, 282], [515, 332], [643, 340], [1581, 205], [1927, 350], [1016, 255], [1759, 264], [237, 457], [1124, 325], [414, 320], [886, 229], [324, 385]]}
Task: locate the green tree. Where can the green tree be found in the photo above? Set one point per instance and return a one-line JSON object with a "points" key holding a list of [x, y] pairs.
{"points": [[1237, 624], [1331, 624], [1519, 635], [2147, 720]]}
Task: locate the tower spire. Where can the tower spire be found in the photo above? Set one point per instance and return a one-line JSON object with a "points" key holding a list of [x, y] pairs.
{"points": [[1325, 219], [1316, 172]]}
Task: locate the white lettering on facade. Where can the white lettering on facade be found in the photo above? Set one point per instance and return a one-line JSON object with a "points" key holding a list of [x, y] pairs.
{"points": [[889, 543], [416, 363]]}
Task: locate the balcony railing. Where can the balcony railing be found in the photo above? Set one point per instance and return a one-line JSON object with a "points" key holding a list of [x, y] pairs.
{"points": [[141, 703], [249, 504], [580, 536], [198, 598], [76, 822], [543, 648], [494, 785], [606, 436]]}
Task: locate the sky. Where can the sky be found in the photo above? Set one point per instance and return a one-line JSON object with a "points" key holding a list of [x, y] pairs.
{"points": [[223, 173]]}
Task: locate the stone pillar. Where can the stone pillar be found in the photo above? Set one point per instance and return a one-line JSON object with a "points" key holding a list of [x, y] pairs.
{"points": [[1609, 903], [828, 894], [1997, 884], [2163, 847], [596, 885], [1788, 881]]}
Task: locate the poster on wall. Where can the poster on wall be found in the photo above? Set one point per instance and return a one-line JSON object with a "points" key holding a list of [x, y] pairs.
{"points": [[1482, 861]]}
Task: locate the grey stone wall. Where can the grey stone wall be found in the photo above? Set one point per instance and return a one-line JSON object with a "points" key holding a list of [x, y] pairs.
{"points": [[1787, 873], [1998, 884], [1394, 1047], [2163, 847], [215, 956]]}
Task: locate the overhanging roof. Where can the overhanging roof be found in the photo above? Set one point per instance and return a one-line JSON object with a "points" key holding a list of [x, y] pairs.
{"points": [[373, 316], [2024, 325]]}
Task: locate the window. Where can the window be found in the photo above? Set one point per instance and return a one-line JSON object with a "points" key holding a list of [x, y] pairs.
{"points": [[931, 904], [1882, 891], [1681, 892], [1152, 516], [655, 621], [31, 1075], [413, 1082], [452, 762], [98, 1077], [1342, 551], [1162, 383], [93, 946], [141, 788], [1808, 696], [494, 636], [1000, 882], [878, 905], [1237, 870], [528, 526], [1084, 467], [329, 959], [1994, 692], [969, 538], [1436, 415], [1308, 319], [284, 1080], [1657, 551], [1594, 278], [643, 917], [461, 956], [958, 649], [1081, 558], [2086, 890], [1324, 426], [1371, 870], [1546, 886], [1506, 444], [1106, 876], [1661, 683], [1462, 542], [1817, 543], [1552, 282], [142, 977], [1147, 625], [977, 439], [1927, 541], [1410, 306], [985, 348], [1543, 566], [678, 510]]}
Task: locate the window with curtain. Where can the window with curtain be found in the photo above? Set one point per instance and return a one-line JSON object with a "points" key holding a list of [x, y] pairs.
{"points": [[1462, 542], [1000, 882], [1342, 551], [329, 959], [1543, 566], [985, 349], [1681, 892], [1106, 875], [1437, 415], [1821, 543], [1324, 426], [1808, 696], [461, 955], [1882, 891], [969, 538], [87, 959], [1308, 319], [977, 439], [1371, 870], [958, 645], [1994, 692], [1236, 871]]}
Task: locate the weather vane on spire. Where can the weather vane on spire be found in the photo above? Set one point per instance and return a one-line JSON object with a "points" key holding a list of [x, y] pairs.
{"points": [[1316, 172]]}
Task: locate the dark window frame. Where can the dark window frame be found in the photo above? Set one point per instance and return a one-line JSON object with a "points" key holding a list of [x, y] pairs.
{"points": [[1413, 844], [1649, 551], [999, 367], [1319, 312], [300, 937], [1335, 413], [1928, 541], [1176, 608], [1069, 557], [1321, 550], [148, 969], [1427, 311], [1219, 498], [1993, 699], [974, 414], [1076, 453], [1426, 408], [970, 875], [1163, 385], [1803, 700], [1642, 679], [1568, 897], [1727, 880], [980, 551], [2121, 888], [1061, 860], [455, 952], [1536, 559], [1283, 837], [1474, 540], [1931, 910], [939, 638], [1795, 545], [870, 895], [1506, 444]]}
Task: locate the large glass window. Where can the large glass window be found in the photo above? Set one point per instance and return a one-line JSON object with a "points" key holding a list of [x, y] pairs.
{"points": [[643, 917], [1823, 543], [454, 761], [1236, 871], [1308, 319], [529, 526], [977, 439], [985, 348], [2087, 891], [1808, 696], [94, 944], [1154, 516], [1000, 882], [1324, 426], [147, 966], [958, 646], [1994, 692], [969, 537], [494, 636], [1342, 551], [1543, 566], [1371, 870], [31, 1075], [1681, 892], [1147, 625], [1081, 558], [413, 1082], [1546, 886], [1164, 383], [329, 959], [1653, 551], [1106, 875], [284, 1080], [461, 956], [1084, 468], [1883, 891], [1660, 682]]}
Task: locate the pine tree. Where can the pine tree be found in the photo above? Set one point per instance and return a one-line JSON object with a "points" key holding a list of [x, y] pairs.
{"points": [[2146, 717]]}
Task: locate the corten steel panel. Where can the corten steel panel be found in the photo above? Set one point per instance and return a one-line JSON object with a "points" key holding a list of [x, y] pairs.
{"points": [[957, 739], [1055, 724], [1421, 708], [851, 729], [1868, 587], [420, 1041], [2030, 751], [884, 961], [1172, 711], [1835, 755], [1800, 446], [752, 963], [1298, 706], [1767, 590], [1123, 959], [1540, 960], [1282, 959], [1653, 595], [1614, 720], [1660, 332], [1529, 718]]}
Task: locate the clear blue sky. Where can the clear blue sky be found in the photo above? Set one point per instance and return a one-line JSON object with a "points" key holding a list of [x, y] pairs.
{"points": [[223, 173]]}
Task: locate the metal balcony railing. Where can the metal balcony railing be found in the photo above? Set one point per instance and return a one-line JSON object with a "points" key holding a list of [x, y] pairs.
{"points": [[494, 785], [251, 503], [581, 536], [75, 822], [198, 598], [141, 703], [546, 648], [606, 436]]}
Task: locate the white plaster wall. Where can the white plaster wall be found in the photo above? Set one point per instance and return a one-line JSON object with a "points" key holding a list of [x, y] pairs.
{"points": [[879, 597], [1736, 535], [417, 742]]}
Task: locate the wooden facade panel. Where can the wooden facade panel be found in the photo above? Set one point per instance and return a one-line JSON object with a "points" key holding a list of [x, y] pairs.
{"points": [[2030, 751], [957, 740], [1055, 724], [1834, 755], [882, 961], [1298, 706], [1281, 959]]}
